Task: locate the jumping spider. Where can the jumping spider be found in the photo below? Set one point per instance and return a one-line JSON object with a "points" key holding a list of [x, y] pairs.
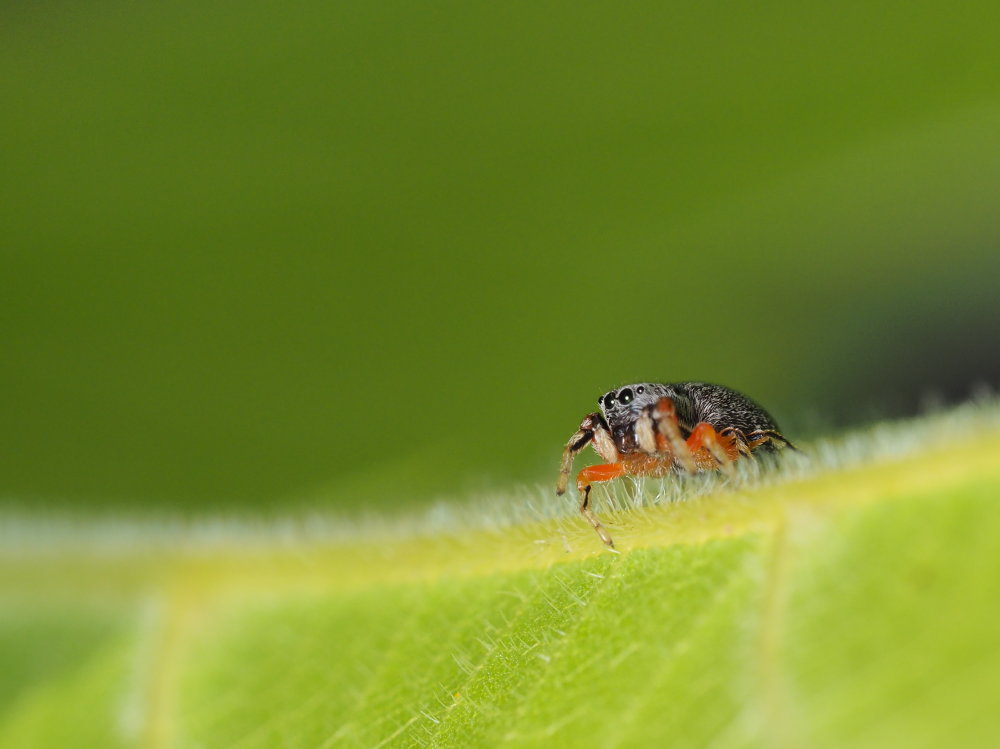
{"points": [[653, 429]]}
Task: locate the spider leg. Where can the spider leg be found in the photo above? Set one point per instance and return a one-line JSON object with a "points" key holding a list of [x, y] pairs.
{"points": [[744, 445], [645, 432], [722, 448], [669, 434], [580, 439], [760, 436], [587, 476], [592, 430]]}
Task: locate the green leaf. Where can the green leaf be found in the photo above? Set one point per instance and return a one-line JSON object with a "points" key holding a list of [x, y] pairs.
{"points": [[851, 601]]}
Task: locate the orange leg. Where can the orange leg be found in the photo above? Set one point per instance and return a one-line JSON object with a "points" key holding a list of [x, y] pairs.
{"points": [[722, 448], [584, 479]]}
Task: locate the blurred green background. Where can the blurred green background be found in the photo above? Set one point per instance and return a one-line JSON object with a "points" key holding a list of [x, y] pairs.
{"points": [[362, 254]]}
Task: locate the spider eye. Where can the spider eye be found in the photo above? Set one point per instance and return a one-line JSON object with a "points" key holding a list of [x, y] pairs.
{"points": [[609, 399], [625, 396], [640, 390]]}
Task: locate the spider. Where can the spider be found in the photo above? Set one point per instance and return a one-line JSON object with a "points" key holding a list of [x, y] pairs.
{"points": [[653, 429]]}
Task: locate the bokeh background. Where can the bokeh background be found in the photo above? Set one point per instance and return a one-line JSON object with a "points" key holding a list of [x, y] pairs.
{"points": [[356, 255]]}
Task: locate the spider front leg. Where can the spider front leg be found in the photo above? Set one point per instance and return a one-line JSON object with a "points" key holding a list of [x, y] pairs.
{"points": [[591, 429], [580, 439]]}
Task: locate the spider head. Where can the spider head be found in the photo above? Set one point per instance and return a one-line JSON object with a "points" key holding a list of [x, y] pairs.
{"points": [[623, 405]]}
